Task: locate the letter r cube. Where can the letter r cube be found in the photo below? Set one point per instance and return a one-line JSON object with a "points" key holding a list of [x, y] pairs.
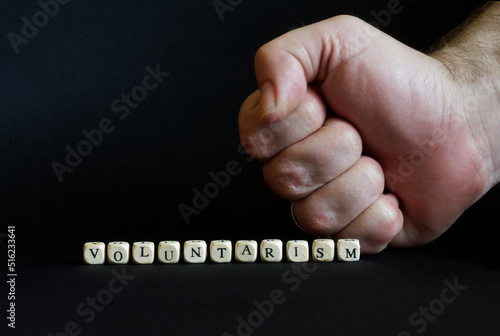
{"points": [[271, 250]]}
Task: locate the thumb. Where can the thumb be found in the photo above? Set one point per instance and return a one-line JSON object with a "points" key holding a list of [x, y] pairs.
{"points": [[286, 65]]}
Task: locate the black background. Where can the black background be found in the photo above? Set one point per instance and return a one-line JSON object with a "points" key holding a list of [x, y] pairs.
{"points": [[65, 79]]}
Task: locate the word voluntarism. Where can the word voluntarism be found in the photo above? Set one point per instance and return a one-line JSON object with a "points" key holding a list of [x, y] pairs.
{"points": [[220, 251]]}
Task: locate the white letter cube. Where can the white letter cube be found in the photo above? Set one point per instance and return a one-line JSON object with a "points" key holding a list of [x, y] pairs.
{"points": [[221, 251], [348, 249], [94, 253], [195, 251], [169, 251], [246, 250], [271, 250], [323, 250], [118, 252], [297, 250], [143, 252]]}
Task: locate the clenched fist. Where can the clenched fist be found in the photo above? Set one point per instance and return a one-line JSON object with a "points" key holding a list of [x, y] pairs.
{"points": [[369, 138]]}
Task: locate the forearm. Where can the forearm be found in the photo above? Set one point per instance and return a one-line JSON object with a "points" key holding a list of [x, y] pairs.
{"points": [[471, 53]]}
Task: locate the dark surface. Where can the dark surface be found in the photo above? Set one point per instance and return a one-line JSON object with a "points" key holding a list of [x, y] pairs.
{"points": [[65, 80]]}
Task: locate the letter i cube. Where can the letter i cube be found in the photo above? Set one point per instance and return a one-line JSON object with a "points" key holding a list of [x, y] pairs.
{"points": [[297, 250]]}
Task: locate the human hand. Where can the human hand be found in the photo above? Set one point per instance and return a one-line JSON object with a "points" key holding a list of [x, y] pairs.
{"points": [[399, 159]]}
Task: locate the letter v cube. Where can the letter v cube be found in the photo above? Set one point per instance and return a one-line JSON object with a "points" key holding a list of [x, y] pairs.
{"points": [[94, 253]]}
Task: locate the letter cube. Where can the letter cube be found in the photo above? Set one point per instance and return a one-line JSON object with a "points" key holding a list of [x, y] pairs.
{"points": [[246, 250], [297, 250], [271, 250], [94, 253], [118, 252], [169, 251], [323, 250], [348, 249], [221, 251], [143, 252], [195, 251]]}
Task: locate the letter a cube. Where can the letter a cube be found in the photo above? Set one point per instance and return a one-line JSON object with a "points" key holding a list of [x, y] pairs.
{"points": [[246, 251]]}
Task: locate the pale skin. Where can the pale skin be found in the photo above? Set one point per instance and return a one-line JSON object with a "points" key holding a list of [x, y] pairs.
{"points": [[371, 139]]}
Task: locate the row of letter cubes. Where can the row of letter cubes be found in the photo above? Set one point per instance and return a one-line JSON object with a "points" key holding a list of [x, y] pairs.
{"points": [[195, 251]]}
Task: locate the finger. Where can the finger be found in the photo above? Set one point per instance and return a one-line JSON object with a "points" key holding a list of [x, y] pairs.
{"points": [[377, 225], [330, 208], [287, 64], [307, 165], [264, 141]]}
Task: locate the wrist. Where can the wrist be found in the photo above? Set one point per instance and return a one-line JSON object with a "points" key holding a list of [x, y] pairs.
{"points": [[475, 101], [471, 56]]}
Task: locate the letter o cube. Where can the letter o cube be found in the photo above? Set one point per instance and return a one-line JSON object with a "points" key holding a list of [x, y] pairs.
{"points": [[118, 252]]}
